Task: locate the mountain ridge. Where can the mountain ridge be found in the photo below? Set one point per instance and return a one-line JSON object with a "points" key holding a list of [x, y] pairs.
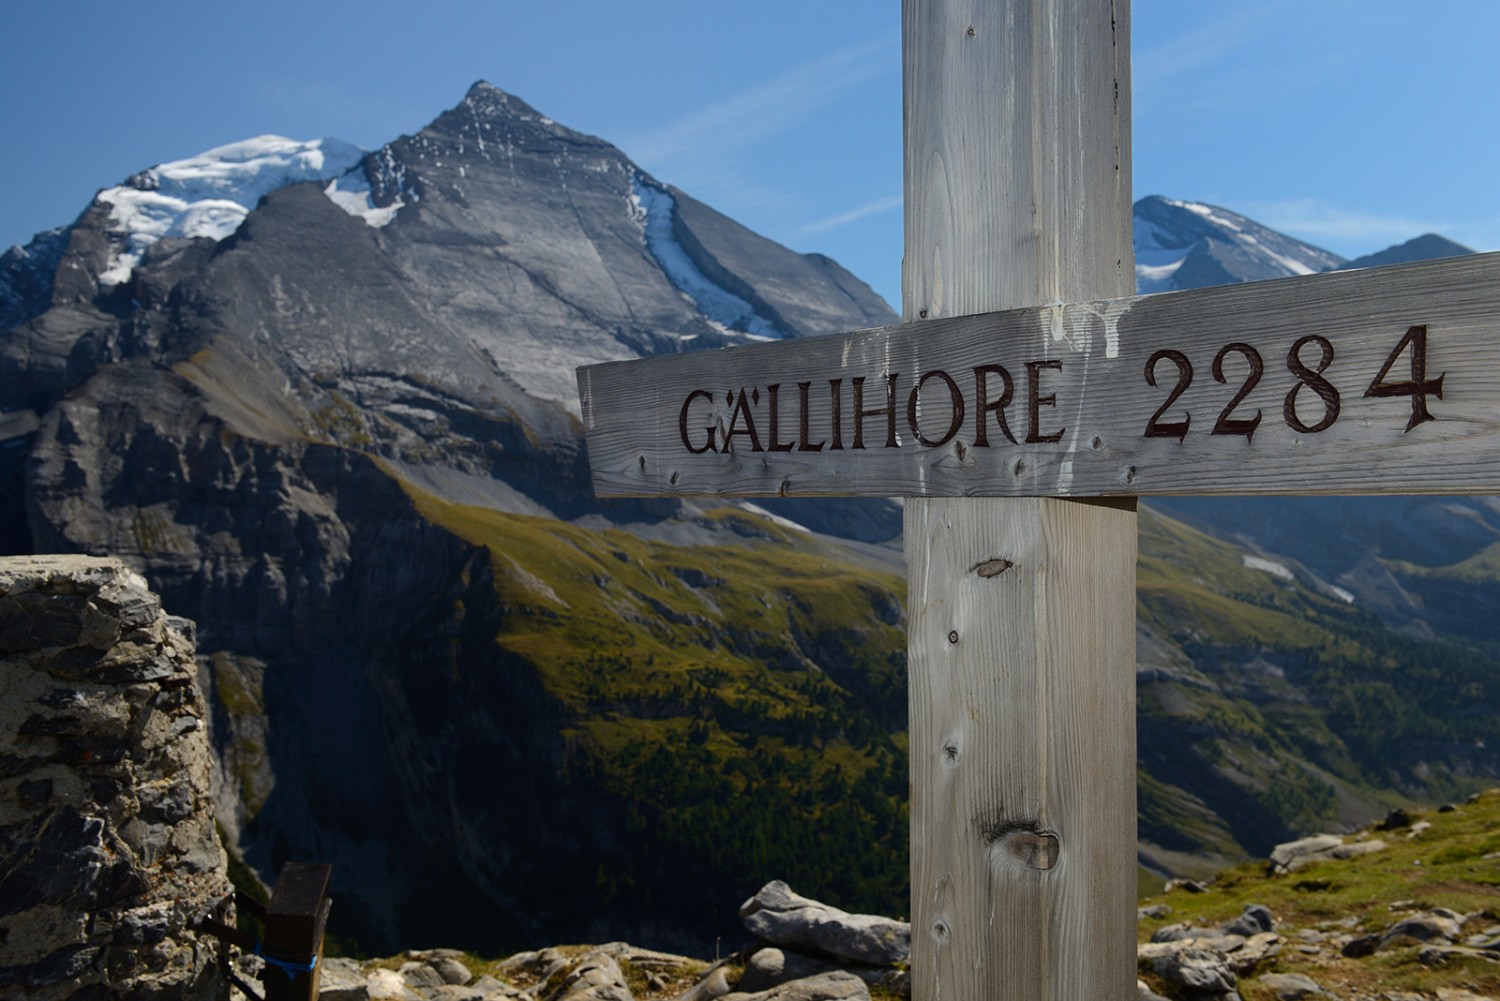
{"points": [[343, 438]]}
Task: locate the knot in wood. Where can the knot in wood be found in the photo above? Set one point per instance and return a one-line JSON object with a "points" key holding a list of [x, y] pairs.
{"points": [[1035, 849], [993, 568]]}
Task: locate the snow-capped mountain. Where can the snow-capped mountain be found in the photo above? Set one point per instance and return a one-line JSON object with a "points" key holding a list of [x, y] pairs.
{"points": [[1182, 245], [210, 194], [254, 372], [325, 400]]}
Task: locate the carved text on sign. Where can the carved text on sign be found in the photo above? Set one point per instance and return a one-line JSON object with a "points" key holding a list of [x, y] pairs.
{"points": [[1308, 376], [934, 408], [880, 412]]}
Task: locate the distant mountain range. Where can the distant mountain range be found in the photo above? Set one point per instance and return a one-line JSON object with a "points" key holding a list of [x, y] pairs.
{"points": [[324, 399], [1182, 245]]}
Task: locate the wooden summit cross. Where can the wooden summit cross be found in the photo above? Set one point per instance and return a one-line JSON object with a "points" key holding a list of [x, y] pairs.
{"points": [[1024, 374]]}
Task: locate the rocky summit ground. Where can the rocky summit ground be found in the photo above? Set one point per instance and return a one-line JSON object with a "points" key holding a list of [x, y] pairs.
{"points": [[1404, 910]]}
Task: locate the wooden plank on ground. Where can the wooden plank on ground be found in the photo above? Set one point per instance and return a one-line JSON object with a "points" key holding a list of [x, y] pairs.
{"points": [[1378, 381]]}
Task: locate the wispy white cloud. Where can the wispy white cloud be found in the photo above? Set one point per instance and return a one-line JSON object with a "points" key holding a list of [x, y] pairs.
{"points": [[765, 108], [1201, 47], [1324, 222], [703, 150], [1233, 56], [876, 207]]}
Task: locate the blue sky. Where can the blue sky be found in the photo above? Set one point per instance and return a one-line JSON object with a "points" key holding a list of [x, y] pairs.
{"points": [[1352, 125]]}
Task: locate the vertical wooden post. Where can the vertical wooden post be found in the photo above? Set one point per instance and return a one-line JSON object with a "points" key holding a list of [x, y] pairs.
{"points": [[1022, 675], [295, 917]]}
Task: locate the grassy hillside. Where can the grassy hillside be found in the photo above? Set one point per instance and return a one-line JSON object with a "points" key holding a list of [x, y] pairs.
{"points": [[1454, 863], [1297, 708], [744, 702]]}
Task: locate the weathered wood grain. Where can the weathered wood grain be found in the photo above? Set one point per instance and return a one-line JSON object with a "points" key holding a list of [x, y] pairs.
{"points": [[1088, 364], [1022, 749], [1021, 649]]}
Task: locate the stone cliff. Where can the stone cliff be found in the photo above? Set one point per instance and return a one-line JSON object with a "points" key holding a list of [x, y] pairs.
{"points": [[108, 853]]}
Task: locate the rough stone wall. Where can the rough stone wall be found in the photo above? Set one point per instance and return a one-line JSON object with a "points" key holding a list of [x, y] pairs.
{"points": [[107, 845]]}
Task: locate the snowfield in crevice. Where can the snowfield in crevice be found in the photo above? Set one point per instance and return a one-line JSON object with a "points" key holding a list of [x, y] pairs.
{"points": [[653, 208], [1284, 572], [352, 194], [211, 193], [1157, 257]]}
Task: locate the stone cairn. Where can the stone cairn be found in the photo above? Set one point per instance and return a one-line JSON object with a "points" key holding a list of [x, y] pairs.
{"points": [[108, 853]]}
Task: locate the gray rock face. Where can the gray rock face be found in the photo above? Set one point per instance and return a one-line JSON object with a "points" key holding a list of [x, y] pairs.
{"points": [[26, 277], [106, 826], [778, 915]]}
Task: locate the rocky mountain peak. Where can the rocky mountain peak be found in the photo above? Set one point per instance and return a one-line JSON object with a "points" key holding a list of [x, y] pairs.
{"points": [[1183, 244], [1426, 247], [339, 433]]}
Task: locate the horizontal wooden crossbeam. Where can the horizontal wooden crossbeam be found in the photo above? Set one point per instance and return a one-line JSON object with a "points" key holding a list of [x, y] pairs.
{"points": [[1384, 380]]}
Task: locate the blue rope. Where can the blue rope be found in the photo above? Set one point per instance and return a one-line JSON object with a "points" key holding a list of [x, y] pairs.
{"points": [[289, 968]]}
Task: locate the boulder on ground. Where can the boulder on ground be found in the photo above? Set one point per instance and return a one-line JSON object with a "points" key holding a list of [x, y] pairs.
{"points": [[1190, 885], [1201, 971], [1256, 919], [835, 986], [1294, 855], [784, 918], [1426, 927], [1292, 986]]}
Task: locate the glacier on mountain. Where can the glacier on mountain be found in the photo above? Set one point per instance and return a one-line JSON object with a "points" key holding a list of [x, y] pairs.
{"points": [[210, 194], [653, 207]]}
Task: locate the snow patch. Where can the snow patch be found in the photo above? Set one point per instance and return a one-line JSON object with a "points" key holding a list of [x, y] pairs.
{"points": [[1270, 566], [774, 519], [352, 194], [1285, 573], [653, 208], [1347, 597], [1207, 212], [1158, 256], [1156, 276], [211, 193]]}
